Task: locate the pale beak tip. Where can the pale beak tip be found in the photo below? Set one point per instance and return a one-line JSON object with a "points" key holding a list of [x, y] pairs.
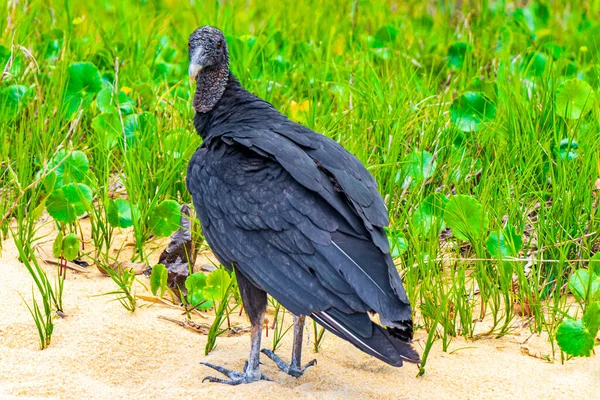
{"points": [[193, 70]]}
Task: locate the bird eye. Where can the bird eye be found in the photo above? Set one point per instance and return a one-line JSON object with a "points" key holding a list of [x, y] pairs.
{"points": [[220, 45]]}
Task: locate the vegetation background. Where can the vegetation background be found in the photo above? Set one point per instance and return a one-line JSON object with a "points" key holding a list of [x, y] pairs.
{"points": [[479, 120]]}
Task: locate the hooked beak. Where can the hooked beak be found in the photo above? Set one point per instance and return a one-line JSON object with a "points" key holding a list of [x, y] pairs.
{"points": [[197, 62], [194, 70]]}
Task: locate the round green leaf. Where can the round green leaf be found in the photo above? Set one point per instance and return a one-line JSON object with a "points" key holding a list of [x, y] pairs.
{"points": [[574, 98], [58, 207], [126, 105], [416, 167], [79, 197], [456, 55], [69, 202], [158, 280], [428, 216], [84, 82], [70, 247], [119, 213], [504, 243], [75, 168], [131, 124], [535, 64], [470, 111], [386, 33], [195, 284], [217, 284], [164, 219], [108, 129], [574, 338], [72, 168], [83, 77], [106, 101], [583, 283], [399, 245], [466, 217], [13, 98]]}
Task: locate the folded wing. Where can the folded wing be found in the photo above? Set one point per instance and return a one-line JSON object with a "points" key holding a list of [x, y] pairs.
{"points": [[286, 224]]}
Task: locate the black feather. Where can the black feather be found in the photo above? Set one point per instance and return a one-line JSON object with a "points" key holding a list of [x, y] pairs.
{"points": [[301, 219], [368, 337]]}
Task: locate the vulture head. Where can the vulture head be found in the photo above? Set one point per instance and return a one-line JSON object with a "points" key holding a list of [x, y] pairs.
{"points": [[209, 66]]}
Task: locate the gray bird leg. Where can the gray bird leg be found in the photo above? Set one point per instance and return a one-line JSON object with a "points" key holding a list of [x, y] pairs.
{"points": [[251, 369], [294, 368], [255, 304]]}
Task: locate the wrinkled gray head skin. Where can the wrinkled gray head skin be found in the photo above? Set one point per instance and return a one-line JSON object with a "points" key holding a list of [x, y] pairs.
{"points": [[208, 49], [209, 66]]}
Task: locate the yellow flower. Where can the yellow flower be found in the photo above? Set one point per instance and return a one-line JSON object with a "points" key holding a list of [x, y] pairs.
{"points": [[298, 111], [126, 90]]}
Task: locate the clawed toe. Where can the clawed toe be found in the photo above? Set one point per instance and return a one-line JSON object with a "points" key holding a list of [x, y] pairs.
{"points": [[294, 371], [235, 378]]}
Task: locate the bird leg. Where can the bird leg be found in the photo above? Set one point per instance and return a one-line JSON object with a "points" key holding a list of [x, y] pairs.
{"points": [[255, 304], [294, 368], [251, 369]]}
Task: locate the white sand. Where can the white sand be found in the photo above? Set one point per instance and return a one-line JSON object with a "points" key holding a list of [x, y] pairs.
{"points": [[103, 351]]}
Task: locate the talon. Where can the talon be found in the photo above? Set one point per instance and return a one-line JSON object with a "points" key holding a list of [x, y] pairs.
{"points": [[296, 373], [287, 368], [235, 378]]}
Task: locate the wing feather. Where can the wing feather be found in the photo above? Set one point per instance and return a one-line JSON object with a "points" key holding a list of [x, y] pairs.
{"points": [[298, 228], [302, 219]]}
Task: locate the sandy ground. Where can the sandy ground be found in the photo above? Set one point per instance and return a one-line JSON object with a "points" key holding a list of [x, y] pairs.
{"points": [[102, 351]]}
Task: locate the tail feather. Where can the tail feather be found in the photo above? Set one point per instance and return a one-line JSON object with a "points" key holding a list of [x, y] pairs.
{"points": [[358, 329], [403, 330]]}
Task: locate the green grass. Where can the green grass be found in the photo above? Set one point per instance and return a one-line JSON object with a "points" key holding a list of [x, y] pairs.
{"points": [[378, 77]]}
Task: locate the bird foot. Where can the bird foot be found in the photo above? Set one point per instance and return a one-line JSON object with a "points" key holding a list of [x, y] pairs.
{"points": [[289, 369], [235, 378]]}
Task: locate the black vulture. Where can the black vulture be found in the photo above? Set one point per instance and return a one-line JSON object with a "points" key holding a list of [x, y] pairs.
{"points": [[295, 215]]}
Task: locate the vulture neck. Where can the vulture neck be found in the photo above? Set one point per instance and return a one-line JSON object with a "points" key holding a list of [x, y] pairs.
{"points": [[210, 85], [211, 92], [232, 107]]}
